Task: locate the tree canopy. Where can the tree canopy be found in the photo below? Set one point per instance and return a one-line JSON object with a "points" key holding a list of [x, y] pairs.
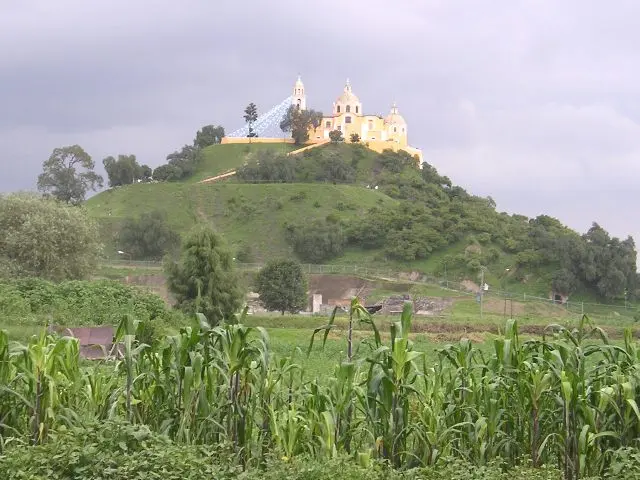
{"points": [[68, 174], [208, 135], [125, 170], [148, 236], [250, 116], [282, 286], [430, 213], [203, 279], [46, 238], [298, 122]]}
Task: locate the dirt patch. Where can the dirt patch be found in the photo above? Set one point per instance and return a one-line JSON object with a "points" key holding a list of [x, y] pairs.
{"points": [[153, 283], [470, 286], [498, 305]]}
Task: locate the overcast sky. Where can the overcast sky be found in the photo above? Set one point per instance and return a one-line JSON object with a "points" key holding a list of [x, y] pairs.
{"points": [[534, 102]]}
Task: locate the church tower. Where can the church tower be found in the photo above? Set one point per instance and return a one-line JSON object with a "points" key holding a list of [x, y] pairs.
{"points": [[299, 98]]}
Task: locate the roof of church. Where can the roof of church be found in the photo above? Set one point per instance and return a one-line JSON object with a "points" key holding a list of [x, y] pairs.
{"points": [[348, 96], [394, 117]]}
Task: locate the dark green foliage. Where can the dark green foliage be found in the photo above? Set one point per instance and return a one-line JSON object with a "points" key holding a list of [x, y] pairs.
{"points": [[180, 164], [317, 241], [46, 238], [282, 286], [208, 135], [298, 122], [125, 170], [167, 173], [68, 175], [115, 450], [203, 279], [355, 138], [244, 254], [99, 302], [268, 166], [147, 237], [336, 136]]}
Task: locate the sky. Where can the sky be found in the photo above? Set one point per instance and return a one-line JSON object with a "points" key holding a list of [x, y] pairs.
{"points": [[533, 102]]}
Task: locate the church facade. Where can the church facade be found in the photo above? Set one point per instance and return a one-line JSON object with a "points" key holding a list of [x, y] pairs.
{"points": [[347, 116]]}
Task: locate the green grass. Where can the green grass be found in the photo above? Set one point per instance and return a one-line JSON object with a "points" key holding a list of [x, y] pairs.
{"points": [[218, 159], [254, 214]]}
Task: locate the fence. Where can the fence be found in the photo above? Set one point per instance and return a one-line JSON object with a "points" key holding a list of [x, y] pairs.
{"points": [[576, 307]]}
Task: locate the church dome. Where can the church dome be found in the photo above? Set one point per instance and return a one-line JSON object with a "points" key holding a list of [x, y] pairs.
{"points": [[394, 118], [348, 97]]}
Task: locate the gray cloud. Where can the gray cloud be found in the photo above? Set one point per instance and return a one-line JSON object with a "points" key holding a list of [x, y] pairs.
{"points": [[532, 102]]}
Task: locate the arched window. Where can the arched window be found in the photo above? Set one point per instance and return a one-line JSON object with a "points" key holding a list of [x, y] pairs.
{"points": [[328, 124], [370, 124], [347, 119], [395, 129], [403, 130], [357, 109], [338, 109], [348, 108]]}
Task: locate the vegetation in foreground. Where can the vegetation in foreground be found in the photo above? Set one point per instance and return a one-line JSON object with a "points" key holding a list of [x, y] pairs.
{"points": [[531, 401]]}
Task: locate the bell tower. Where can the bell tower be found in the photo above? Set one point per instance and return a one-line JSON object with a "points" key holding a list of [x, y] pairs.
{"points": [[299, 98]]}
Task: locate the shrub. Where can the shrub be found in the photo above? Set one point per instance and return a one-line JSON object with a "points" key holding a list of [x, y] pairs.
{"points": [[317, 241], [148, 236], [81, 302]]}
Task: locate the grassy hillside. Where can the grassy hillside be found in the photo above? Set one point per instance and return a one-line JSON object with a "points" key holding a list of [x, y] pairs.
{"points": [[218, 159], [392, 216], [250, 214]]}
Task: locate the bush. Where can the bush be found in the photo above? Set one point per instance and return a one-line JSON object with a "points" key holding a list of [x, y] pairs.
{"points": [[148, 236], [316, 242], [115, 450], [46, 238], [78, 302]]}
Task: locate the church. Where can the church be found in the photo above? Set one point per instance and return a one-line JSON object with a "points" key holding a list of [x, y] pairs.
{"points": [[376, 132]]}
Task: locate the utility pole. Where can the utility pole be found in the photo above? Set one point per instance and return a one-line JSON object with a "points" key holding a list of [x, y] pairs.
{"points": [[446, 282], [482, 268]]}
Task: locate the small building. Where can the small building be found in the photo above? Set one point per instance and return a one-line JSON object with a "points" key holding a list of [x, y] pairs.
{"points": [[95, 342]]}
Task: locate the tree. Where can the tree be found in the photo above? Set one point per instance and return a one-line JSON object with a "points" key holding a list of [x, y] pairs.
{"points": [[250, 116], [298, 122], [203, 278], [167, 173], [317, 241], [208, 135], [46, 238], [186, 159], [148, 236], [355, 138], [335, 136], [68, 175], [282, 286], [125, 170]]}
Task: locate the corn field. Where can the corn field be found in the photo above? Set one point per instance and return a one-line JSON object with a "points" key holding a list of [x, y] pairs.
{"points": [[567, 399]]}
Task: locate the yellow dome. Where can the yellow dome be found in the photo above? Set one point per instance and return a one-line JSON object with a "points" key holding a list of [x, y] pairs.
{"points": [[394, 118], [348, 97]]}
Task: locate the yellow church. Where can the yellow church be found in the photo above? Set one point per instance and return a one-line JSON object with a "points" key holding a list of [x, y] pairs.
{"points": [[376, 132]]}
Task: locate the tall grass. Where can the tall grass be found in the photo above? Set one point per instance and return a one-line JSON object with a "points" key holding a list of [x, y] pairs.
{"points": [[566, 400]]}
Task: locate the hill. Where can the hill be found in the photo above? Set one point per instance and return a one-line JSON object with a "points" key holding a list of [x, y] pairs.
{"points": [[346, 204], [245, 214]]}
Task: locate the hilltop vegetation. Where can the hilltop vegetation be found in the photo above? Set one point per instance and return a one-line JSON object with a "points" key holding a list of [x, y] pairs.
{"points": [[341, 203]]}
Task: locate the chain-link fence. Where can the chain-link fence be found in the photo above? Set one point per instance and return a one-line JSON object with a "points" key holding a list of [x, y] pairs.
{"points": [[389, 274]]}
